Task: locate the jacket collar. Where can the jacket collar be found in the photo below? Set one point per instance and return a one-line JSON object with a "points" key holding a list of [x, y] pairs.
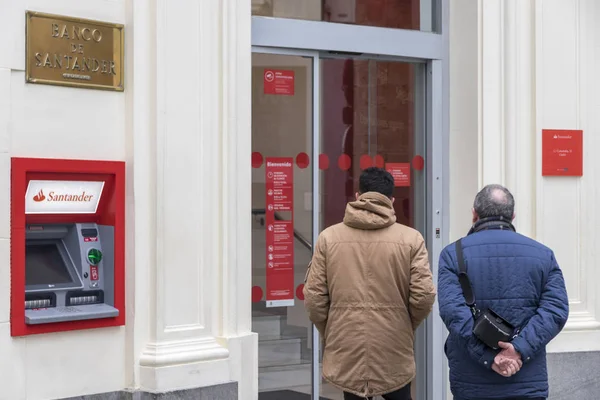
{"points": [[485, 224]]}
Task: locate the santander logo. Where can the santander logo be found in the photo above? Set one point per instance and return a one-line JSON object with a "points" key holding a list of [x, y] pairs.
{"points": [[63, 197], [82, 197], [39, 197]]}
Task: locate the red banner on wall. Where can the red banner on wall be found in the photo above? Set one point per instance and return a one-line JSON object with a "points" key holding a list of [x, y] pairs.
{"points": [[280, 232], [562, 152], [278, 81]]}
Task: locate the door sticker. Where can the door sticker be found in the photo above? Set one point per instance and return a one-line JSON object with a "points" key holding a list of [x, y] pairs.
{"points": [[280, 232]]}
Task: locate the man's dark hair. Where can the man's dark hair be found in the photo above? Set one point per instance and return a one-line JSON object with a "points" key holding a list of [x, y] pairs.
{"points": [[378, 180], [494, 201]]}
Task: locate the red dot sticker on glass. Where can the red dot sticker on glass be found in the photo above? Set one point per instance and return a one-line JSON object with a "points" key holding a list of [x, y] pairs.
{"points": [[302, 160], [323, 161], [418, 163], [344, 162], [366, 161], [257, 159], [379, 161], [300, 292], [400, 172], [257, 294]]}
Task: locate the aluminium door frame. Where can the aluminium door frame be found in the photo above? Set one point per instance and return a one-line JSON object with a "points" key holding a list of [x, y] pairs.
{"points": [[312, 39]]}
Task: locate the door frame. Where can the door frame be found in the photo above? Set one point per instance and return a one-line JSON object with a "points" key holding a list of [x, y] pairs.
{"points": [[314, 39]]}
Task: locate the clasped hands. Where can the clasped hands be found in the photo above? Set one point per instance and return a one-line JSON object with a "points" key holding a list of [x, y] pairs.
{"points": [[508, 362]]}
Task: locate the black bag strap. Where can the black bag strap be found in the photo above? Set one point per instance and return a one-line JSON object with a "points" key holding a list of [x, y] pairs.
{"points": [[463, 277]]}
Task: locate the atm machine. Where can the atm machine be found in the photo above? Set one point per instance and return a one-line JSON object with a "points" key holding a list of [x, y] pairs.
{"points": [[67, 245], [68, 272]]}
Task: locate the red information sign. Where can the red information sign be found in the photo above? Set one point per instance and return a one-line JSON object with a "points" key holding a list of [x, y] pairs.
{"points": [[279, 82], [400, 172], [562, 152], [280, 233]]}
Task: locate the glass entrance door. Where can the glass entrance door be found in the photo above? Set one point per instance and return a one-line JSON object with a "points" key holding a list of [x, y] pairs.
{"points": [[373, 114], [282, 220], [316, 123]]}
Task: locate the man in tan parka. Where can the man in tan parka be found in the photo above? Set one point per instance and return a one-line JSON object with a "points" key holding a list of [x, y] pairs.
{"points": [[367, 289]]}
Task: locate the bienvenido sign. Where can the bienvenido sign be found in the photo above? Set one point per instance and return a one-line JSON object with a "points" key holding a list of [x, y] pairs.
{"points": [[74, 52], [63, 197]]}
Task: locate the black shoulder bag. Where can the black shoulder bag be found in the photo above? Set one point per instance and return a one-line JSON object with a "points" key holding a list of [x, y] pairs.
{"points": [[488, 326]]}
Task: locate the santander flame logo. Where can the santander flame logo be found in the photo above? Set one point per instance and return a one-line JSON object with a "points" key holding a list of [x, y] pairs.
{"points": [[40, 196]]}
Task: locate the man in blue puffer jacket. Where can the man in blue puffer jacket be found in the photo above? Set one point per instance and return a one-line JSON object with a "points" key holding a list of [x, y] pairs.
{"points": [[520, 280]]}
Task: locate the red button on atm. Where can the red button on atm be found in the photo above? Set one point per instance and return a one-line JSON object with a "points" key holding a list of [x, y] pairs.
{"points": [[94, 272]]}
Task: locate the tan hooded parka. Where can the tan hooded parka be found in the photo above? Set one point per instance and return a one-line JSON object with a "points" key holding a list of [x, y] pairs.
{"points": [[367, 289]]}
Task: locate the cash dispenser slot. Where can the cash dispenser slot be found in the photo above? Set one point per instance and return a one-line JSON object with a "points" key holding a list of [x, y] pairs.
{"points": [[40, 300], [80, 297]]}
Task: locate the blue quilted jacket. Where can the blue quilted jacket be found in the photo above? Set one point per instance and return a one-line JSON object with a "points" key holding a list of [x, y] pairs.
{"points": [[521, 281]]}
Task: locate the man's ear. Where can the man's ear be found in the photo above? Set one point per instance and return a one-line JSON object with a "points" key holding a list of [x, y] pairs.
{"points": [[393, 200], [475, 216], [514, 216], [356, 195]]}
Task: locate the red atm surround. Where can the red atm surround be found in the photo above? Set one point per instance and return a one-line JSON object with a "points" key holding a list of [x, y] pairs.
{"points": [[110, 211]]}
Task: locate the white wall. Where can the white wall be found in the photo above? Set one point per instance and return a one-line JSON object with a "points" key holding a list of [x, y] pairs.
{"points": [[183, 127], [537, 64], [47, 121]]}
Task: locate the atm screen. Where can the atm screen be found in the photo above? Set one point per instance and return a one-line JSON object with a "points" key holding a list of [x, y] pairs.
{"points": [[44, 265]]}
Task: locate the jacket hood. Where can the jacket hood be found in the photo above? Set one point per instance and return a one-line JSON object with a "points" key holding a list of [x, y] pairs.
{"points": [[371, 211]]}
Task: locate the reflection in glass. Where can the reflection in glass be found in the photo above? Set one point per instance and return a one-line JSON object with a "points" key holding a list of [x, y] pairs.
{"points": [[398, 14]]}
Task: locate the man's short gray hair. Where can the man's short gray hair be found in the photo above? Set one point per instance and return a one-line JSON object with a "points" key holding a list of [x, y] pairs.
{"points": [[494, 201]]}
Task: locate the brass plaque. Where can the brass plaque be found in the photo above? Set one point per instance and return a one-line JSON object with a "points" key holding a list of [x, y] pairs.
{"points": [[74, 52]]}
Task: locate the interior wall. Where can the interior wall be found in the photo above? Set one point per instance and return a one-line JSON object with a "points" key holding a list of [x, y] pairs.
{"points": [[54, 122]]}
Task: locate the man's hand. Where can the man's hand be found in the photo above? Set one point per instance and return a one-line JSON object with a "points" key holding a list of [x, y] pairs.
{"points": [[506, 366], [508, 362]]}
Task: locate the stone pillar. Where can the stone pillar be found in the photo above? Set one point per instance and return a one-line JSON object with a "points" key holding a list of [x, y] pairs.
{"points": [[191, 139]]}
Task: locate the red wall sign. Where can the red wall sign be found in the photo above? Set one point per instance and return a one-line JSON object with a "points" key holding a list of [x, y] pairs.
{"points": [[279, 82], [400, 172], [280, 232], [562, 152]]}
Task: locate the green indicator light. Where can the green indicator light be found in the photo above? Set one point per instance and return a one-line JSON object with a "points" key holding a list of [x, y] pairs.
{"points": [[94, 256]]}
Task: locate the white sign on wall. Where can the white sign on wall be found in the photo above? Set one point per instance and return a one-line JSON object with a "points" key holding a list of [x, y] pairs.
{"points": [[63, 197]]}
